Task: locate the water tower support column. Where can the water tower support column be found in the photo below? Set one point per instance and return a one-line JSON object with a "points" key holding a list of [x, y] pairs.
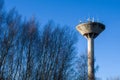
{"points": [[91, 59]]}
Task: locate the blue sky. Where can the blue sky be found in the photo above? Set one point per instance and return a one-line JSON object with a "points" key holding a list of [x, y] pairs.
{"points": [[70, 12]]}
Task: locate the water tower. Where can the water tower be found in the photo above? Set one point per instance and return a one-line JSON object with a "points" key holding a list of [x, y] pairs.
{"points": [[90, 30]]}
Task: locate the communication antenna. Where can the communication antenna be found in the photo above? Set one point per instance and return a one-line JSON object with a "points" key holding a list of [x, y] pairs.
{"points": [[80, 21], [93, 19]]}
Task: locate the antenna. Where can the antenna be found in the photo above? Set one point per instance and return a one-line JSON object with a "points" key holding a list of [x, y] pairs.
{"points": [[97, 20], [88, 19], [80, 21], [93, 19]]}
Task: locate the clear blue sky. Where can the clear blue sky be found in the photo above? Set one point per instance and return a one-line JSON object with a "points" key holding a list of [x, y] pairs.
{"points": [[70, 12]]}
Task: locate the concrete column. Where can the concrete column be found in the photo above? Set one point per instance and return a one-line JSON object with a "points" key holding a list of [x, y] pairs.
{"points": [[91, 75]]}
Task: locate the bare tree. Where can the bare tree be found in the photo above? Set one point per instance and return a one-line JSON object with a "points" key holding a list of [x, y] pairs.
{"points": [[31, 52], [7, 40], [82, 67], [55, 53]]}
